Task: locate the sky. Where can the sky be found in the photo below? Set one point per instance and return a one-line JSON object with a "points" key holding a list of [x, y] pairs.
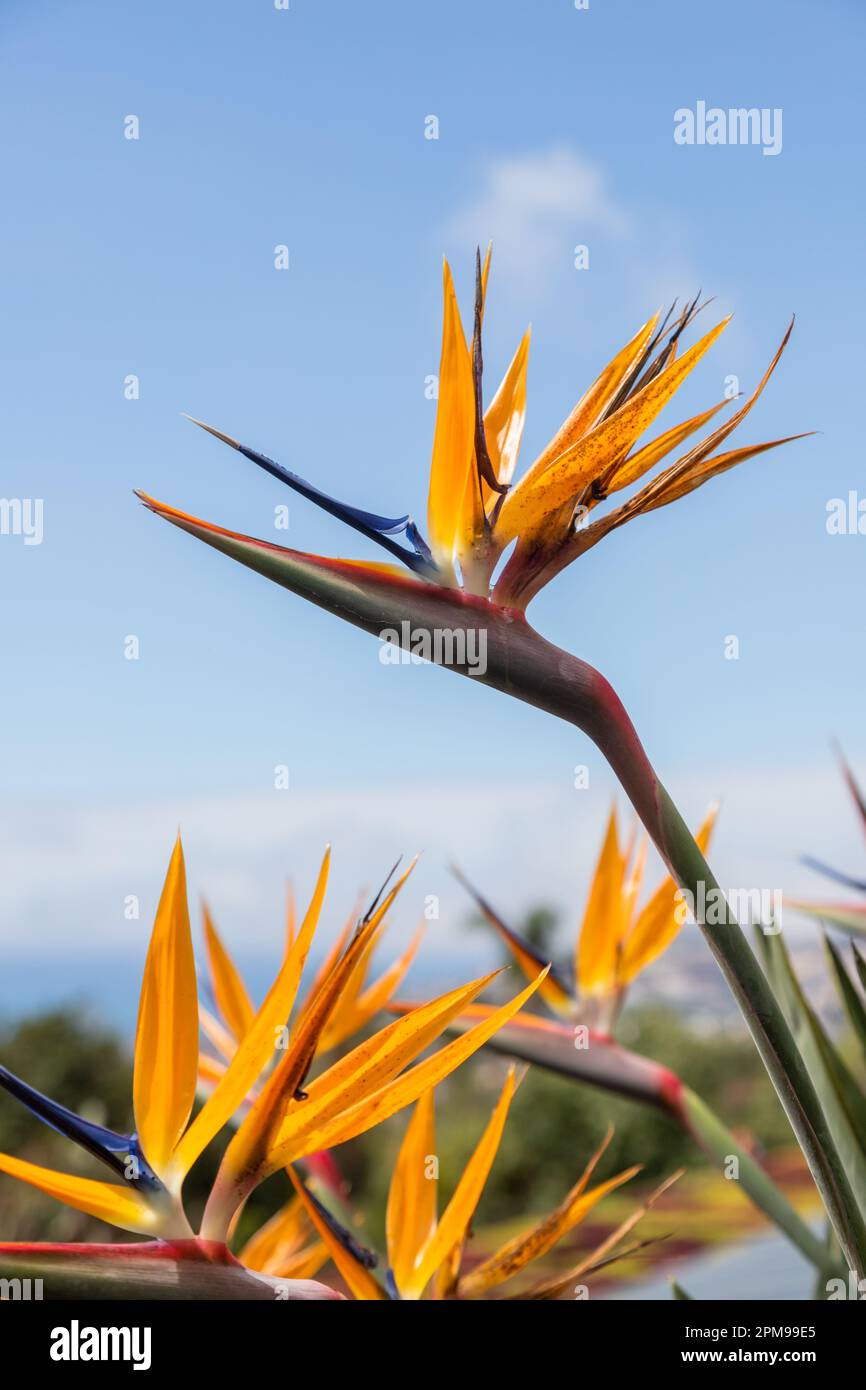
{"points": [[154, 258]]}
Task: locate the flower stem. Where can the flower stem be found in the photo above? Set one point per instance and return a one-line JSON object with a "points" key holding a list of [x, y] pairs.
{"points": [[563, 685]]}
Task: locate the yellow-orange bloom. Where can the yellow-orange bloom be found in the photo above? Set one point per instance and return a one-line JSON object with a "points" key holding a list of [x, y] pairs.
{"points": [[426, 1249], [617, 939]]}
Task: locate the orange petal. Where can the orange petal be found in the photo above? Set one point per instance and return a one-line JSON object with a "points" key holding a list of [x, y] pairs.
{"points": [[402, 1091], [166, 1040], [592, 405], [246, 1159], [536, 1242], [457, 1217], [411, 1212], [453, 441], [285, 1233], [257, 1047], [291, 917], [646, 458], [604, 920], [342, 1020], [359, 1279], [601, 1255], [230, 993], [660, 920], [678, 481], [374, 1062], [373, 999], [331, 958], [121, 1206], [538, 495], [504, 418]]}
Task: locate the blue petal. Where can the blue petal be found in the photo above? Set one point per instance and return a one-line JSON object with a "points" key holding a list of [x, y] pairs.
{"points": [[543, 963], [838, 877], [366, 1257], [105, 1144], [378, 528]]}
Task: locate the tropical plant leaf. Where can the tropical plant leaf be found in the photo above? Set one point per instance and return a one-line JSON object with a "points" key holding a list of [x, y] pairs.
{"points": [[842, 1102], [851, 1001], [718, 1141]]}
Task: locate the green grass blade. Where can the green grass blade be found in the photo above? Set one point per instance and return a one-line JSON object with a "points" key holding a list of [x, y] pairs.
{"points": [[841, 1100]]}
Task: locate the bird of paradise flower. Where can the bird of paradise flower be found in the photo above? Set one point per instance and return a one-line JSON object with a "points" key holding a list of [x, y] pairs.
{"points": [[426, 1250], [475, 513], [289, 1118], [475, 510], [423, 1250], [616, 941]]}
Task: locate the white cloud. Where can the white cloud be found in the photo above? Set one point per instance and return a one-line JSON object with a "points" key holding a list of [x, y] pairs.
{"points": [[66, 870], [536, 208]]}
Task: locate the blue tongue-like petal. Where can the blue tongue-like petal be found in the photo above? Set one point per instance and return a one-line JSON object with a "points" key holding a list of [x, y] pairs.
{"points": [[366, 1257], [377, 528], [121, 1152], [835, 874]]}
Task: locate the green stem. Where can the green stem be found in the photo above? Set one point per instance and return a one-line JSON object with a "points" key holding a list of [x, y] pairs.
{"points": [[568, 688], [717, 1140]]}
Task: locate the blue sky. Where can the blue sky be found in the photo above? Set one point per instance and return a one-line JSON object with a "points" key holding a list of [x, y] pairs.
{"points": [[261, 127]]}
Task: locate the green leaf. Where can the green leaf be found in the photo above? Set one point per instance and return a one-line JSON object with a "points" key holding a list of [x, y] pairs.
{"points": [[840, 1098], [851, 1001], [717, 1140]]}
